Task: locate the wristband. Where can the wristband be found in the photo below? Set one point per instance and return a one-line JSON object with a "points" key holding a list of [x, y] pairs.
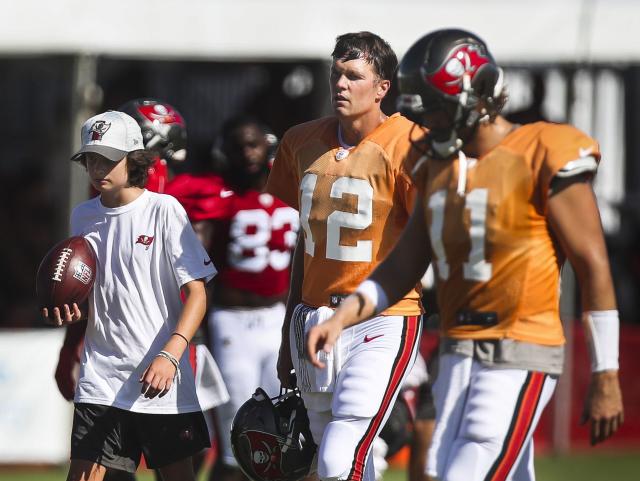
{"points": [[375, 293], [603, 338]]}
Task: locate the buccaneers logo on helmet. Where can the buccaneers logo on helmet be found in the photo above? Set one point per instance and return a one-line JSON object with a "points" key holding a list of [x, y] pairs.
{"points": [[463, 60], [266, 454]]}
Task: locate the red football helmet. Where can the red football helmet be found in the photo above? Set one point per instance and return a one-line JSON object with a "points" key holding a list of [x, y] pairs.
{"points": [[449, 75], [271, 439], [163, 128]]}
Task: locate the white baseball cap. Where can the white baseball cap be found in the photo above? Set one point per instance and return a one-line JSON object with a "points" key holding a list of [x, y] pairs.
{"points": [[111, 134]]}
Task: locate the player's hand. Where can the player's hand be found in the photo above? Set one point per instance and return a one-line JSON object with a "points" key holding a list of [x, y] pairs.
{"points": [[285, 366], [64, 371], [66, 315], [157, 379], [322, 338], [603, 406]]}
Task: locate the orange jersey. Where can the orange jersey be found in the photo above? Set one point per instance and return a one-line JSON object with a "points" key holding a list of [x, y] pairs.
{"points": [[352, 209], [492, 248]]}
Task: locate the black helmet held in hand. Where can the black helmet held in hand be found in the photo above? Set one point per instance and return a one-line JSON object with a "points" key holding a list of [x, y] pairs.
{"points": [[271, 439]]}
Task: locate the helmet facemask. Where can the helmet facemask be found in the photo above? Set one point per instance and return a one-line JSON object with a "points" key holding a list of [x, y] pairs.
{"points": [[167, 141]]}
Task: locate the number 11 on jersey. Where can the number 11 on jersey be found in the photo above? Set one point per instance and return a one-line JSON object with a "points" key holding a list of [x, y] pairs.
{"points": [[476, 268]]}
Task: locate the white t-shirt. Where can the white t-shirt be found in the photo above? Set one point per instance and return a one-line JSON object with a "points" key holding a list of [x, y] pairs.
{"points": [[146, 251]]}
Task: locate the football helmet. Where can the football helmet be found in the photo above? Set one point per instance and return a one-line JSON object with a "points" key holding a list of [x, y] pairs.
{"points": [[271, 439], [163, 128], [449, 82]]}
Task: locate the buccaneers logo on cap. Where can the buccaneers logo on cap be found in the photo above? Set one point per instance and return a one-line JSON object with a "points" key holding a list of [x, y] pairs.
{"points": [[463, 61], [98, 129]]}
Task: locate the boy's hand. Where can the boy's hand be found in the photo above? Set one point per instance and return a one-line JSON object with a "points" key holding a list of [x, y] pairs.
{"points": [[66, 315], [157, 379]]}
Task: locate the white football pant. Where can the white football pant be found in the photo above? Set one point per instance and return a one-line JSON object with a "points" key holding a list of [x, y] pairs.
{"points": [[375, 358], [485, 419]]}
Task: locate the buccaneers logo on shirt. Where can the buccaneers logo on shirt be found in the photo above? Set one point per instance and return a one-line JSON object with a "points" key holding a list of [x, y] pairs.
{"points": [[145, 240]]}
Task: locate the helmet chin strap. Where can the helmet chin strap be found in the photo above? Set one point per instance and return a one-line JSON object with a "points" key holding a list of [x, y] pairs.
{"points": [[463, 165]]}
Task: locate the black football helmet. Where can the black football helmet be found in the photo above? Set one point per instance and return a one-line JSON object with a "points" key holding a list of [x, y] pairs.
{"points": [[163, 128], [271, 439], [449, 73]]}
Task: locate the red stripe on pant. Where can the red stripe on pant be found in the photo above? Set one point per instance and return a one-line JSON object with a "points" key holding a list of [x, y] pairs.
{"points": [[409, 343], [520, 425]]}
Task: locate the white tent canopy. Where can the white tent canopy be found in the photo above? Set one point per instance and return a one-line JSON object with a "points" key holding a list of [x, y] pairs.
{"points": [[523, 32]]}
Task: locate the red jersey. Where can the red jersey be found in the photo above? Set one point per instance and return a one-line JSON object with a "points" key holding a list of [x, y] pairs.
{"points": [[254, 233], [199, 194]]}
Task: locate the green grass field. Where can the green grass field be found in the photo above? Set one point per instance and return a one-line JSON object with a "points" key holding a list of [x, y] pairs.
{"points": [[583, 467]]}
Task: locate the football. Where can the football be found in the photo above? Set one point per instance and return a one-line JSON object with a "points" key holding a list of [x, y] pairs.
{"points": [[66, 274]]}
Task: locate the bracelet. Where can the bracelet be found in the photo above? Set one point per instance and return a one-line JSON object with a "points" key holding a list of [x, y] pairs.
{"points": [[173, 360], [183, 337]]}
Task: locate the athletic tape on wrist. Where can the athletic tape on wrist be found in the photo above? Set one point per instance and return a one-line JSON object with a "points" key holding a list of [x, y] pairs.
{"points": [[375, 293], [603, 339]]}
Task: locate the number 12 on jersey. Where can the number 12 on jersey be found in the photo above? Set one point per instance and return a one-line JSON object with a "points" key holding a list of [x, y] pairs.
{"points": [[476, 268], [363, 250]]}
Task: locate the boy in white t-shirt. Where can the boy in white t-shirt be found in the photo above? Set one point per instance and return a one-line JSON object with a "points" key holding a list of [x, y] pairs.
{"points": [[136, 392]]}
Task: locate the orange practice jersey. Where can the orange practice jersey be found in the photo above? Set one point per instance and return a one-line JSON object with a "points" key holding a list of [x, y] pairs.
{"points": [[492, 248], [352, 210]]}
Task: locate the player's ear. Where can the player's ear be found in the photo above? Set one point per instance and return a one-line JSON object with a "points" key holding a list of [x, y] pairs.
{"points": [[383, 88]]}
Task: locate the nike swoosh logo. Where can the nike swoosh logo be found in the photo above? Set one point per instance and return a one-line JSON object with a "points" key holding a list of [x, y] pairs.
{"points": [[368, 338], [206, 263]]}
